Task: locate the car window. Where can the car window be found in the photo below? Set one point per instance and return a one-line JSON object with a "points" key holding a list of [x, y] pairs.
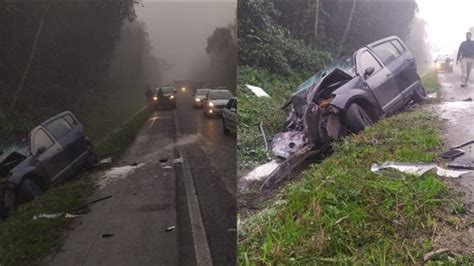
{"points": [[398, 45], [70, 120], [213, 95], [387, 52], [41, 139], [368, 60], [58, 128]]}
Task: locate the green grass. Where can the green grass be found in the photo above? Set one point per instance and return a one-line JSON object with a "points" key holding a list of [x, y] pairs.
{"points": [[430, 82], [340, 212], [24, 241]]}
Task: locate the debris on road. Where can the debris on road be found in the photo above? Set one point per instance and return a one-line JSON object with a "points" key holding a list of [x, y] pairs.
{"points": [[259, 92], [107, 235], [116, 173], [467, 100], [461, 166], [433, 95], [262, 171], [434, 253], [451, 154], [106, 160], [166, 167], [178, 160], [163, 160], [170, 228], [417, 169], [463, 144]]}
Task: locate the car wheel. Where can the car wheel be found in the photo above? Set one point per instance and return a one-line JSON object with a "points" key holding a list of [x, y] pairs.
{"points": [[357, 119], [92, 158], [29, 189], [224, 127], [419, 94]]}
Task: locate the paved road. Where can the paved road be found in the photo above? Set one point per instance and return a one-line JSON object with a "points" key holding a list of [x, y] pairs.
{"points": [[459, 117], [154, 194]]}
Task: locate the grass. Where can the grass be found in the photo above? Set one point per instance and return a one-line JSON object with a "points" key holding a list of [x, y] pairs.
{"points": [[24, 241], [340, 212]]}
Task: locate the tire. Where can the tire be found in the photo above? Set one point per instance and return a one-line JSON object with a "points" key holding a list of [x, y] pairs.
{"points": [[357, 119], [29, 189], [92, 158], [224, 127], [419, 94]]}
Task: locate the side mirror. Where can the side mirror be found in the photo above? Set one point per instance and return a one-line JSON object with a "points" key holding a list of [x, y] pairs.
{"points": [[368, 71], [40, 150]]}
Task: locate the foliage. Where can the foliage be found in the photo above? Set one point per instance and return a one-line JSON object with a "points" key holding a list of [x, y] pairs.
{"points": [[265, 44]]}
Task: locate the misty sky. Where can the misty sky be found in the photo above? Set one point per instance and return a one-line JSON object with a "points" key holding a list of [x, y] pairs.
{"points": [[448, 21], [178, 31]]}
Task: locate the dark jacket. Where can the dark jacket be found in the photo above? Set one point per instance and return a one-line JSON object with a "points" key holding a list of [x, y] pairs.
{"points": [[466, 49]]}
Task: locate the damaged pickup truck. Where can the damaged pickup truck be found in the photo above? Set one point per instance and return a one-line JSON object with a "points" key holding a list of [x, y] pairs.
{"points": [[349, 95], [53, 152]]}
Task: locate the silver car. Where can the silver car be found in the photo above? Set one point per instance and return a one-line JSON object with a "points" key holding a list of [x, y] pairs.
{"points": [[229, 116], [215, 102], [199, 96]]}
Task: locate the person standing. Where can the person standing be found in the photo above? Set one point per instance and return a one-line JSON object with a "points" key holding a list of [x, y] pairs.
{"points": [[466, 56]]}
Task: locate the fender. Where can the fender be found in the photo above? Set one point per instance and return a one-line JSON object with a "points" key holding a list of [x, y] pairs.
{"points": [[17, 176], [343, 99]]}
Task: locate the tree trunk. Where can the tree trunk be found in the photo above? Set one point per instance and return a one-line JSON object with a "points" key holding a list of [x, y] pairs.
{"points": [[316, 21], [348, 26]]}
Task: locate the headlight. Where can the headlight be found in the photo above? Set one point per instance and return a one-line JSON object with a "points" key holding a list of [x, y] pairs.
{"points": [[183, 88], [171, 97], [155, 98], [197, 100], [211, 104]]}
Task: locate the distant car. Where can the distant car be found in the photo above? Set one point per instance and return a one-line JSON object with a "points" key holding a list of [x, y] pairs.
{"points": [[444, 63], [56, 150], [163, 97], [199, 96], [215, 101], [229, 116]]}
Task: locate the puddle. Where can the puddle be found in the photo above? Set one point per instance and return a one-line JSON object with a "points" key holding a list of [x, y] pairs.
{"points": [[115, 174], [453, 112], [262, 171]]}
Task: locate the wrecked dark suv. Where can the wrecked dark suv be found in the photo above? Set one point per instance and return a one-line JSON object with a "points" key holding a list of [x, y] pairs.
{"points": [[350, 94], [54, 151]]}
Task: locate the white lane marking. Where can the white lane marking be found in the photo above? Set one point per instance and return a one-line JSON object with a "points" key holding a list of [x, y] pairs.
{"points": [[201, 247]]}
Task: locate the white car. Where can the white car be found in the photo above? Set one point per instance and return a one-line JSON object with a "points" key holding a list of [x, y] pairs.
{"points": [[215, 102]]}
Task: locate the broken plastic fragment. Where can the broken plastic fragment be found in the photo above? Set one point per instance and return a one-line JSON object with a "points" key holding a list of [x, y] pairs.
{"points": [[259, 92], [170, 228], [418, 169], [106, 160], [178, 160]]}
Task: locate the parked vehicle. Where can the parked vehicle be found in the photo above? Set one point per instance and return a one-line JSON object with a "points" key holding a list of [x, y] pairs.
{"points": [[215, 101], [163, 97], [199, 96], [229, 116], [55, 151], [350, 95], [443, 63]]}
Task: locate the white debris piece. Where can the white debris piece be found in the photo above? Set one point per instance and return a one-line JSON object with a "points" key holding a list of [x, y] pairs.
{"points": [[116, 173], [262, 171], [178, 160], [54, 215], [259, 92], [106, 160], [433, 95], [419, 169]]}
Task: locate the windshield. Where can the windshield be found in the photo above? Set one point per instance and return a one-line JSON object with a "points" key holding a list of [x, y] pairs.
{"points": [[213, 95], [165, 90], [344, 63], [20, 147], [202, 92]]}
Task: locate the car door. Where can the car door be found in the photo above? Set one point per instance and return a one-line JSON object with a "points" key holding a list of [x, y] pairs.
{"points": [[380, 81], [233, 116], [49, 153], [79, 142], [406, 74], [69, 137]]}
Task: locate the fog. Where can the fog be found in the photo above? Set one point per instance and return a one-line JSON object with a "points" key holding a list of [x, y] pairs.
{"points": [[178, 33]]}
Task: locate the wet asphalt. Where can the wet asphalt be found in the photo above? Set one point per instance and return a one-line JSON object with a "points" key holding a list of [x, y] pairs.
{"points": [[457, 111], [147, 220]]}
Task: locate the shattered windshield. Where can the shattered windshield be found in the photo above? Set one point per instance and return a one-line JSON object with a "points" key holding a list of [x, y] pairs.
{"points": [[344, 63], [20, 147]]}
